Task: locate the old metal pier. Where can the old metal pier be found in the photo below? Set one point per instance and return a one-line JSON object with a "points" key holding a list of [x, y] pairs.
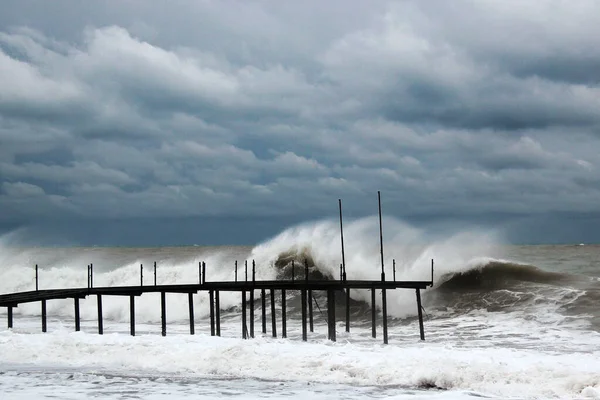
{"points": [[248, 287]]}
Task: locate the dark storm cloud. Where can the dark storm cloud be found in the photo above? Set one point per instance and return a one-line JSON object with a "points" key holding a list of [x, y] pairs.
{"points": [[453, 109]]}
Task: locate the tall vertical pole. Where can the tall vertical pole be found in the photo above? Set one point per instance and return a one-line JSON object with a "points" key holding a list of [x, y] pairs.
{"points": [[211, 296], [273, 315], [373, 314], [420, 310], [246, 271], [154, 273], [91, 276], [191, 312], [381, 236], [132, 315], [77, 319], [236, 270], [200, 272], [203, 272], [141, 274], [394, 262], [100, 320], [283, 315], [244, 315], [343, 277], [383, 291], [303, 299], [263, 300], [44, 319], [36, 278], [218, 312], [163, 313]]}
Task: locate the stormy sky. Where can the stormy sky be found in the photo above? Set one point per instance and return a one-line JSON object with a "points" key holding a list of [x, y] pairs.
{"points": [[205, 121]]}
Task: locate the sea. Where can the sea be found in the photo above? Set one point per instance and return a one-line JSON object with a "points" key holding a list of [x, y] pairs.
{"points": [[502, 321]]}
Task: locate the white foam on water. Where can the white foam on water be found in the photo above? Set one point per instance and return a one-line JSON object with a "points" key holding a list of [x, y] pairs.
{"points": [[506, 372]]}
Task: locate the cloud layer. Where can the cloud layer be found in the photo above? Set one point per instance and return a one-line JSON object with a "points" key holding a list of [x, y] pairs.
{"points": [[268, 109]]}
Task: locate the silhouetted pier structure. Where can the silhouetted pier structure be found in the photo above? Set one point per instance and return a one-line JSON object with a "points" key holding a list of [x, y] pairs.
{"points": [[247, 288]]}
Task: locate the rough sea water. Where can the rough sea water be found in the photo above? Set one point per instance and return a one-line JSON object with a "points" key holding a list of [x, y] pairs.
{"points": [[500, 322]]}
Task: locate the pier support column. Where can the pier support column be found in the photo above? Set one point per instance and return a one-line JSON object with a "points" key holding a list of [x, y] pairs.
{"points": [[264, 310], [132, 315], [218, 312], [283, 315], [303, 300], [211, 296], [10, 316], [348, 310], [244, 314], [273, 315], [100, 321], [311, 324], [373, 314], [77, 319], [44, 324], [331, 315], [420, 310], [251, 307], [384, 316], [191, 309], [163, 314]]}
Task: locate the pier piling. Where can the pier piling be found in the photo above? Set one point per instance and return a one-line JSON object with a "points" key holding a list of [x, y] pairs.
{"points": [[303, 300], [244, 315], [420, 311], [191, 312], [163, 314], [100, 321], [384, 315], [373, 314], [44, 320], [132, 315], [331, 315], [10, 316], [218, 312], [311, 324], [348, 310], [211, 297], [77, 319], [273, 315], [283, 315], [263, 301], [251, 309]]}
